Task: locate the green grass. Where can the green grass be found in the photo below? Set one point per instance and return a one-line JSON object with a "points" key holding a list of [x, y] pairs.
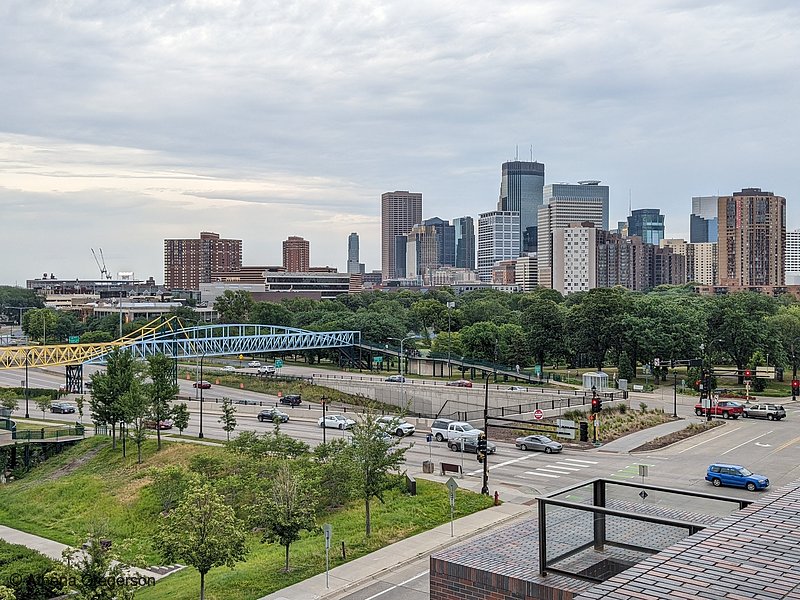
{"points": [[63, 498], [401, 517]]}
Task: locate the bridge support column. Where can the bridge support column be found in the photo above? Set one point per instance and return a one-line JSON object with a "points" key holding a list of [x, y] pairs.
{"points": [[74, 382]]}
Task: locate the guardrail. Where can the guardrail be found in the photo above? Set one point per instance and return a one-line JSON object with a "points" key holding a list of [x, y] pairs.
{"points": [[48, 434]]}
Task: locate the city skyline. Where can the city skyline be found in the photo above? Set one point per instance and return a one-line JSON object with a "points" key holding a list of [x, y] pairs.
{"points": [[126, 126]]}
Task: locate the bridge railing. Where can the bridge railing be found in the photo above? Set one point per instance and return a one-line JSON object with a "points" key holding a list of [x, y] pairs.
{"points": [[51, 433]]}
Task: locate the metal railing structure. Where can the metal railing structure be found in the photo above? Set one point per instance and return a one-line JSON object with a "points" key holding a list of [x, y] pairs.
{"points": [[597, 529], [53, 434]]}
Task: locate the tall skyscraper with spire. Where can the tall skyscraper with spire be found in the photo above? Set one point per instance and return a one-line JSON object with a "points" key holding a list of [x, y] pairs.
{"points": [[521, 190]]}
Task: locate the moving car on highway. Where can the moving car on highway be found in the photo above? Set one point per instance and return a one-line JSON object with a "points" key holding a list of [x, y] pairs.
{"points": [[270, 414], [336, 422], [460, 383], [396, 425], [62, 407]]}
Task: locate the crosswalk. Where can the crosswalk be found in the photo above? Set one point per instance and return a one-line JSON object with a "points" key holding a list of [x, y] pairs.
{"points": [[567, 466], [629, 471]]}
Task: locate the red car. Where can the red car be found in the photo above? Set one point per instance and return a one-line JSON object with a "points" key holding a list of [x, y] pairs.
{"points": [[727, 409], [202, 384], [460, 383]]}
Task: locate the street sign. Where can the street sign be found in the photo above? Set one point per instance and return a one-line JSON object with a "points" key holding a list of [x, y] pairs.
{"points": [[377, 359], [429, 438], [538, 414], [278, 363], [537, 370], [241, 357], [74, 339], [565, 428], [452, 485], [327, 529], [656, 362], [643, 470], [642, 494]]}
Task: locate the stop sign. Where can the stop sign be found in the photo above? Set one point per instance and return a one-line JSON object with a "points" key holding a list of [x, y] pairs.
{"points": [[538, 414]]}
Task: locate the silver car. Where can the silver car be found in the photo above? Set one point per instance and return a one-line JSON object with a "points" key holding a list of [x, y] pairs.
{"points": [[773, 412], [396, 425], [336, 421], [538, 442]]}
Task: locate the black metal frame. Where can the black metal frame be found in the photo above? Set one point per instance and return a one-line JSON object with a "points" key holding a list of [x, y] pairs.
{"points": [[74, 378]]}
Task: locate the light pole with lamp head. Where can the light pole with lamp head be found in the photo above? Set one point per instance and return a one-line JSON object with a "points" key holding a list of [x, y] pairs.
{"points": [[200, 385], [412, 336], [450, 307]]}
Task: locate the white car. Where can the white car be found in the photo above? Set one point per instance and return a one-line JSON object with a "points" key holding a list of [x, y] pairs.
{"points": [[228, 368], [336, 421], [396, 425], [254, 363]]}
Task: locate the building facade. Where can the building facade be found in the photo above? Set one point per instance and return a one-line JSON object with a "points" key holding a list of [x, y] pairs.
{"points": [[400, 211], [296, 253], [422, 252], [703, 222], [190, 262], [574, 258], [464, 240], [527, 272], [521, 190], [792, 270], [498, 239], [564, 205], [648, 224], [702, 264], [445, 240], [752, 238], [621, 261], [353, 266]]}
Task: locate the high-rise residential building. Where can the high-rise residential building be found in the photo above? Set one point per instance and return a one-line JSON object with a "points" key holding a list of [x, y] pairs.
{"points": [[521, 190], [666, 267], [296, 252], [445, 239], [422, 252], [527, 272], [574, 258], [353, 266], [703, 222], [400, 211], [648, 224], [190, 262], [622, 260], [564, 205], [752, 238], [792, 270], [498, 239], [702, 263], [464, 239]]}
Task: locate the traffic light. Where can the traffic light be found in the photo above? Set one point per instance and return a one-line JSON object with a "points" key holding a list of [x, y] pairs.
{"points": [[597, 405], [481, 449], [584, 431], [795, 388], [748, 374]]}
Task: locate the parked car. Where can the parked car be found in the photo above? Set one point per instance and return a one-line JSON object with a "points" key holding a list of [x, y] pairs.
{"points": [[254, 363], [517, 388], [773, 412], [447, 429], [87, 384], [270, 414], [266, 370], [336, 421], [470, 444], [203, 385], [460, 383], [727, 409], [290, 399], [396, 379], [397, 425], [736, 476], [62, 407], [538, 442], [228, 368], [164, 424]]}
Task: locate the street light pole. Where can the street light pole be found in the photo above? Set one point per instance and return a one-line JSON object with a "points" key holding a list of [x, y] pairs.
{"points": [[674, 394], [27, 415], [200, 385], [450, 306], [485, 487]]}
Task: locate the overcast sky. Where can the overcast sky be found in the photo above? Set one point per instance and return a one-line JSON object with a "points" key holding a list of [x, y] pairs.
{"points": [[127, 122]]}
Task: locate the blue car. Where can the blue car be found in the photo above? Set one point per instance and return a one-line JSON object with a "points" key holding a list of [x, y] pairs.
{"points": [[735, 476]]}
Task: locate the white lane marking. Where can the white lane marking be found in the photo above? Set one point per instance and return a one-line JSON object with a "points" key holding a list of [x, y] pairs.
{"points": [[744, 443], [716, 437], [394, 587], [588, 462], [763, 445], [553, 470], [541, 474], [569, 466], [502, 464]]}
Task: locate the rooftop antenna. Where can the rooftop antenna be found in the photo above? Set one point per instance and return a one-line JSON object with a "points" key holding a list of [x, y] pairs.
{"points": [[531, 152], [516, 152], [630, 206]]}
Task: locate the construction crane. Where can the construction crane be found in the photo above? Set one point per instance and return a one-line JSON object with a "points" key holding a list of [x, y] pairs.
{"points": [[101, 264]]}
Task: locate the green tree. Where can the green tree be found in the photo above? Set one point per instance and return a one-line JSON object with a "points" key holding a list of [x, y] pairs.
{"points": [[96, 337], [624, 368], [374, 456], [39, 323], [13, 298], [594, 322], [202, 532], [161, 389], [135, 413], [7, 593], [169, 485], [451, 343], [335, 472], [513, 349], [286, 510], [543, 324], [180, 417], [80, 402], [95, 572], [8, 402], [481, 340], [228, 418], [785, 327], [43, 402], [234, 306], [271, 313], [110, 386]]}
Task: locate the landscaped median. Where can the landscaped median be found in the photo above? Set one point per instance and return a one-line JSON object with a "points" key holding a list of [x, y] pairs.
{"points": [[92, 484]]}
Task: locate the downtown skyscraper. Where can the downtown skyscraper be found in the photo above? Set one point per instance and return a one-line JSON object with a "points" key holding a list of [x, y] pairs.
{"points": [[400, 211], [521, 191], [353, 266]]}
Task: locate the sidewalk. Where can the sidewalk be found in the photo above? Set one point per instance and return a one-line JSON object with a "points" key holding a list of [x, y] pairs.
{"points": [[398, 554], [632, 441]]}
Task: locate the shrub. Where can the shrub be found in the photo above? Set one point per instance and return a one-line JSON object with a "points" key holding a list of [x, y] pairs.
{"points": [[643, 407], [23, 570]]}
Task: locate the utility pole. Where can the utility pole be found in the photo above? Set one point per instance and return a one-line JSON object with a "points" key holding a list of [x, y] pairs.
{"points": [[485, 487]]}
